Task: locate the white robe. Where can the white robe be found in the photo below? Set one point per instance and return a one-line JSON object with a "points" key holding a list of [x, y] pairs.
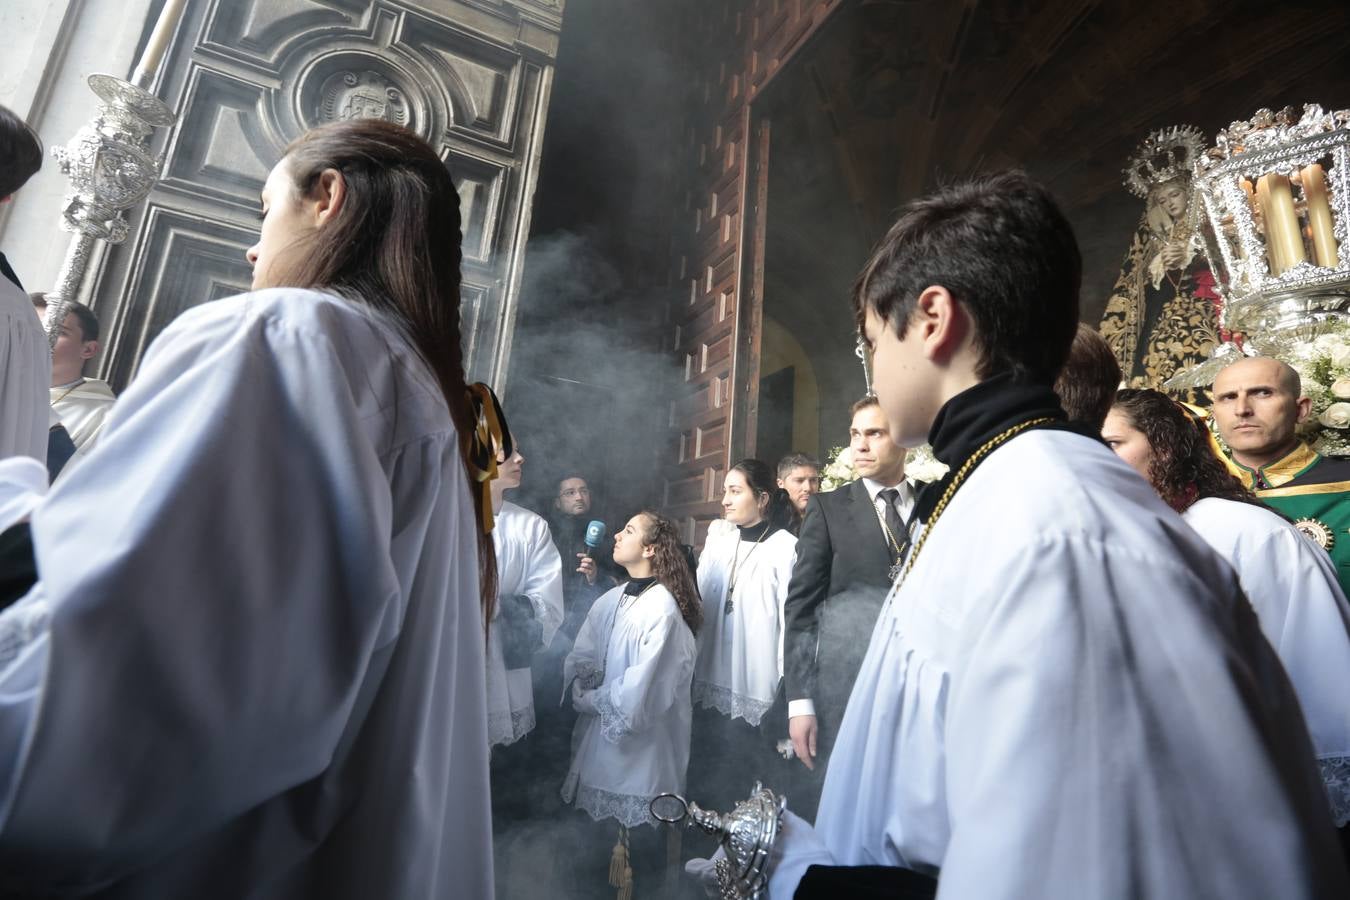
{"points": [[1069, 697], [740, 655], [263, 675], [527, 563], [25, 376], [83, 410], [1293, 586], [639, 659]]}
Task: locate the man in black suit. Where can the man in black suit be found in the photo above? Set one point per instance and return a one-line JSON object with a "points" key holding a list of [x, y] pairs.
{"points": [[852, 540]]}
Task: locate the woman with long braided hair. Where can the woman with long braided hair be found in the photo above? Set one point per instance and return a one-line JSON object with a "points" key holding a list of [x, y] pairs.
{"points": [[254, 663]]}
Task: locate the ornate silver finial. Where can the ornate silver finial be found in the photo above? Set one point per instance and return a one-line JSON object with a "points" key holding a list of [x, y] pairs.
{"points": [[747, 834], [1164, 155], [110, 169]]}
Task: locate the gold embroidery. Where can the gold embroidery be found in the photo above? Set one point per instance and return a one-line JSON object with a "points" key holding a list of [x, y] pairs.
{"points": [[1283, 470]]}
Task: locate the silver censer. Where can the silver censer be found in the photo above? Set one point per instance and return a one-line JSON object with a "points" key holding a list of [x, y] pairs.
{"points": [[747, 835]]}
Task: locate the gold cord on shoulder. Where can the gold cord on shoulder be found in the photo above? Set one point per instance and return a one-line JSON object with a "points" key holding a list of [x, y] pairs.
{"points": [[984, 450]]}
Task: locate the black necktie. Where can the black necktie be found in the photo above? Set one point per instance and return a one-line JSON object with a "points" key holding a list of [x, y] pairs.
{"points": [[893, 522]]}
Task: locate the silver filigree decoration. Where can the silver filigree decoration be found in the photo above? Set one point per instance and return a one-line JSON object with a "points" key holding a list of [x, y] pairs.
{"points": [[747, 835], [110, 169], [1268, 185]]}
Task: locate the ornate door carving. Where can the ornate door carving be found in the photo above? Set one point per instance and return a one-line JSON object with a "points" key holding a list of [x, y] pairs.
{"points": [[247, 76]]}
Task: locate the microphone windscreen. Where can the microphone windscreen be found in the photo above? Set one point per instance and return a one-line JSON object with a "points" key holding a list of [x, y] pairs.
{"points": [[595, 533]]}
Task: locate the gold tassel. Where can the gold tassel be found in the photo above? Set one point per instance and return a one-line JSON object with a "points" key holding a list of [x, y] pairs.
{"points": [[490, 433], [626, 889], [618, 860]]}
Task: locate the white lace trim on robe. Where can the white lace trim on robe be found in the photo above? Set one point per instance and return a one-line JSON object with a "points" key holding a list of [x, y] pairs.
{"points": [[729, 703]]}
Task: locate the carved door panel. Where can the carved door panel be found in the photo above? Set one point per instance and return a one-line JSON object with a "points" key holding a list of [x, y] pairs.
{"points": [[248, 76]]}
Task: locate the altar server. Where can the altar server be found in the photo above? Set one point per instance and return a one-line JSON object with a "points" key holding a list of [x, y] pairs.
{"points": [[25, 356], [743, 575], [1290, 580], [1066, 694], [529, 606], [629, 675], [262, 673]]}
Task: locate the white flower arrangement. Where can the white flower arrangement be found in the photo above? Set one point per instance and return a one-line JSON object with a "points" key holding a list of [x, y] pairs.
{"points": [[920, 464], [1323, 364]]}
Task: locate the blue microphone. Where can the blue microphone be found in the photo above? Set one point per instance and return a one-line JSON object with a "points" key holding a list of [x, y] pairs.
{"points": [[595, 533]]}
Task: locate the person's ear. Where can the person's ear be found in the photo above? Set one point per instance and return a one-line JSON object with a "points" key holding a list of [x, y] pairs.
{"points": [[88, 349], [648, 551], [942, 322], [1304, 407], [328, 196]]}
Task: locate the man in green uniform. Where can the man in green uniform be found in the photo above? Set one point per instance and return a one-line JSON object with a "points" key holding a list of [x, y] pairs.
{"points": [[1258, 402]]}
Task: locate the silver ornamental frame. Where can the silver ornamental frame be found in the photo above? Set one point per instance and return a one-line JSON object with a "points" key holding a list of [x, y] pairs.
{"points": [[1273, 310], [110, 169], [747, 835]]}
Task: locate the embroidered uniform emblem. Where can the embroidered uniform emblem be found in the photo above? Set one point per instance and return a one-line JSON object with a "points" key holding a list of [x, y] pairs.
{"points": [[1317, 532]]}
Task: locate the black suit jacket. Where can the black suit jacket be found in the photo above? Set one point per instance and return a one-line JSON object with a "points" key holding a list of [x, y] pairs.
{"points": [[838, 585]]}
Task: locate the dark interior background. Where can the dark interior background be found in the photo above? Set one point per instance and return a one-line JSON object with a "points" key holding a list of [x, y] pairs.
{"points": [[863, 119]]}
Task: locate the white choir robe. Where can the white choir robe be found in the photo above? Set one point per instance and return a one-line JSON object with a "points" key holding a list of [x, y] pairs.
{"points": [[83, 409], [1293, 587], [1070, 697], [639, 659], [527, 563], [25, 376], [740, 655], [263, 673]]}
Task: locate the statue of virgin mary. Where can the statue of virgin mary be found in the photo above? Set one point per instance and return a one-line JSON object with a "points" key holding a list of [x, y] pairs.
{"points": [[1163, 314]]}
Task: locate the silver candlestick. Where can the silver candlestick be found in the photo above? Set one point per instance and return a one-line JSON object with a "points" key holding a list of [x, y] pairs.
{"points": [[110, 168]]}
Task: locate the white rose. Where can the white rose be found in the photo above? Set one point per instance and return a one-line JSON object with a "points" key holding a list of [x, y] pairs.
{"points": [[1341, 389], [1337, 415], [1339, 353]]}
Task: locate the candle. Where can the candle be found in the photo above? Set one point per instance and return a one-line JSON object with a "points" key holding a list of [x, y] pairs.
{"points": [[1272, 246], [1281, 220], [1319, 215], [158, 45]]}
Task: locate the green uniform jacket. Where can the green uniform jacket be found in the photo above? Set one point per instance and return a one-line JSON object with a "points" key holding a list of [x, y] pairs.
{"points": [[1313, 491]]}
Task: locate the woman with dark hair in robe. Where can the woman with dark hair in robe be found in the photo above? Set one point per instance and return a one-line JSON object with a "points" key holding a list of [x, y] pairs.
{"points": [[253, 663]]}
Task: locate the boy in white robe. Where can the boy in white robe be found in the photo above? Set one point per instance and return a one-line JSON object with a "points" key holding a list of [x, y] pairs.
{"points": [[25, 373], [529, 567], [1066, 694], [81, 403], [25, 356]]}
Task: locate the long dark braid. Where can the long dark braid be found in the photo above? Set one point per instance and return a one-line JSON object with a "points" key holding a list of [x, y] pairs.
{"points": [[671, 566], [395, 246]]}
